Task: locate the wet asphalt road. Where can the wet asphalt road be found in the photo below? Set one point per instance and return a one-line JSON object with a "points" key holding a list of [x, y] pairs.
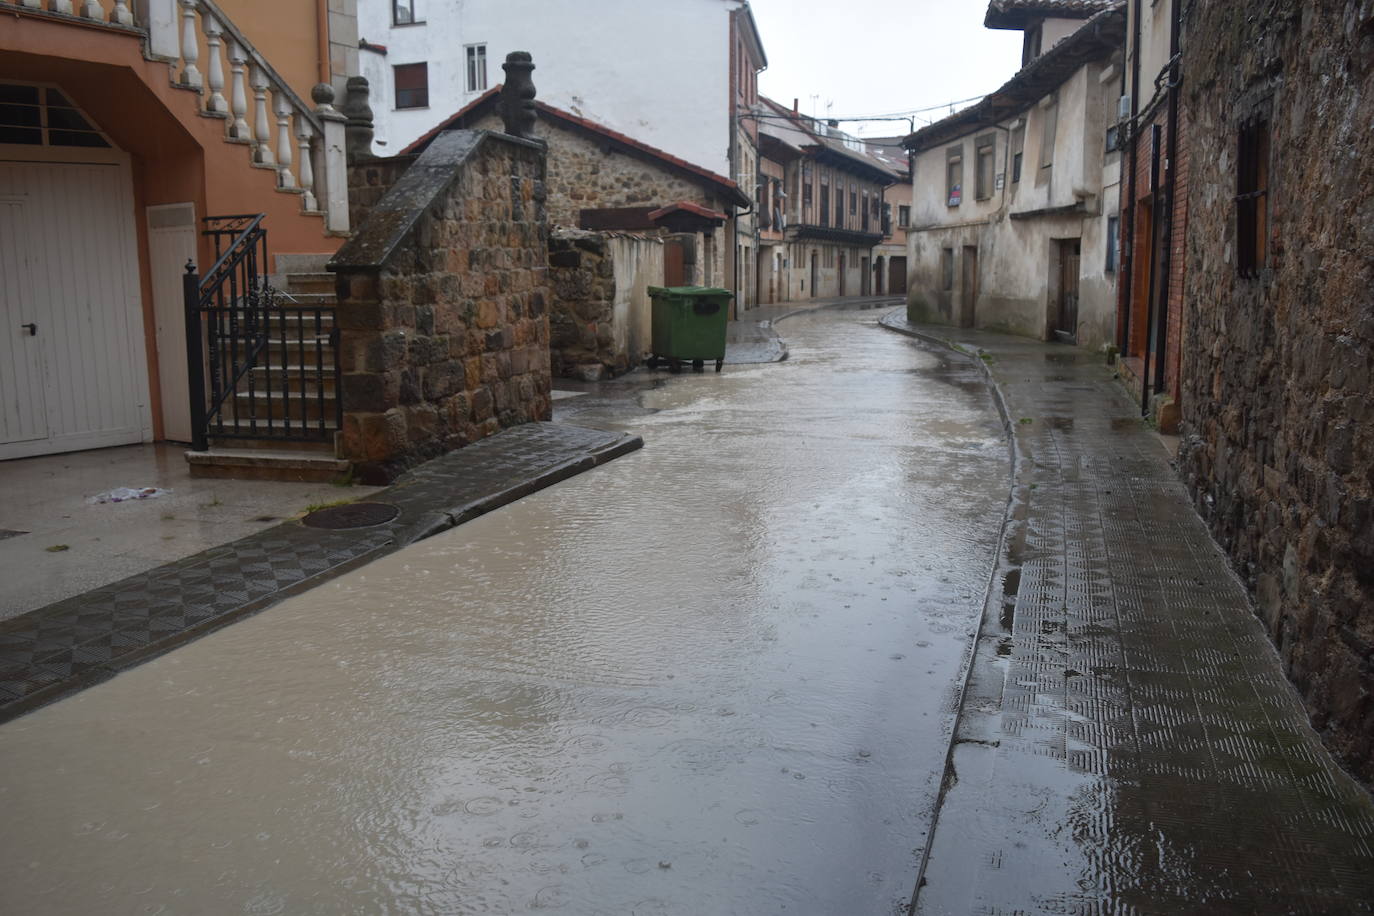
{"points": [[715, 676]]}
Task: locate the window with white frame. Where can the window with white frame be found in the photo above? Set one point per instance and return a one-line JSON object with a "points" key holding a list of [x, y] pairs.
{"points": [[477, 68]]}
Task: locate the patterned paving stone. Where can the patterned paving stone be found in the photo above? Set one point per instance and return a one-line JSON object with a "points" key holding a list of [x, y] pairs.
{"points": [[1128, 742], [56, 650]]}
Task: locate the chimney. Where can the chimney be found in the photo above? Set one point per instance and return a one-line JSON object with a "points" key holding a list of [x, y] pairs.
{"points": [[794, 107]]}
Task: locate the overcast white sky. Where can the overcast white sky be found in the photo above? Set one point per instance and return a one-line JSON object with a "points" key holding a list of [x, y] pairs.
{"points": [[867, 57]]}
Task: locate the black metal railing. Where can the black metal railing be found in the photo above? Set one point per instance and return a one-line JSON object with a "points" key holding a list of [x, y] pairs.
{"points": [[260, 365]]}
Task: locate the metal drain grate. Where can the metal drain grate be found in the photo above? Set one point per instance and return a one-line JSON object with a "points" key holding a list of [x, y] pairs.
{"points": [[352, 515]]}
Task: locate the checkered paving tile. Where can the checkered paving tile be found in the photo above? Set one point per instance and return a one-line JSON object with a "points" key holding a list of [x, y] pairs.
{"points": [[70, 644]]}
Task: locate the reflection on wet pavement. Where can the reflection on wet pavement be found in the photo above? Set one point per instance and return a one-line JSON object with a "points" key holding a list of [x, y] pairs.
{"points": [[717, 675]]}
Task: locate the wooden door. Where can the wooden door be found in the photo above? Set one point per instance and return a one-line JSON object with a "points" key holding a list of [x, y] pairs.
{"points": [[815, 272], [674, 263], [969, 299], [842, 284], [896, 276], [1065, 325]]}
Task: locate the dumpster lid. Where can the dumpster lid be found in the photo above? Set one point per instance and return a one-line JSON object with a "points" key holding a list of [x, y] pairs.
{"points": [[689, 291]]}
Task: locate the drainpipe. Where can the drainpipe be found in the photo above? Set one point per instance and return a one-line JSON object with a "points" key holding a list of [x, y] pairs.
{"points": [[1175, 21], [1127, 267], [322, 36]]}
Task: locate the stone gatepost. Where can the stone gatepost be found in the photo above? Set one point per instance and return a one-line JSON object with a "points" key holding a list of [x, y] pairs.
{"points": [[443, 304]]}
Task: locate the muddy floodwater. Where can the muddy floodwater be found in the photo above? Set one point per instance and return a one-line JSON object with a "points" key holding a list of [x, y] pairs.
{"points": [[716, 676]]}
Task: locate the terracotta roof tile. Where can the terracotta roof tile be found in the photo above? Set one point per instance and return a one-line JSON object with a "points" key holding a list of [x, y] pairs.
{"points": [[689, 207], [1015, 14]]}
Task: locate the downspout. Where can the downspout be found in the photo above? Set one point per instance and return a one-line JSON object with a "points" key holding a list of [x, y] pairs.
{"points": [[322, 38], [1175, 19], [1128, 254]]}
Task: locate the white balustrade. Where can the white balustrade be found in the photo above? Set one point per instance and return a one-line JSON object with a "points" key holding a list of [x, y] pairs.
{"points": [[57, 6], [92, 9], [238, 92], [303, 134], [38, 5], [190, 47], [214, 67], [262, 152], [284, 177], [121, 14]]}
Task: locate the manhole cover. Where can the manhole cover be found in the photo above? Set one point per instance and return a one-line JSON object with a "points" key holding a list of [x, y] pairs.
{"points": [[352, 515]]}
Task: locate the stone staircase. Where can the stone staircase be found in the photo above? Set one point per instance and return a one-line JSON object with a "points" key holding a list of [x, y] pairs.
{"points": [[294, 385]]}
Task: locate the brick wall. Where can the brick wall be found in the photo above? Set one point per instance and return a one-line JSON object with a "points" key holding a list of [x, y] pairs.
{"points": [[1278, 371], [443, 298]]}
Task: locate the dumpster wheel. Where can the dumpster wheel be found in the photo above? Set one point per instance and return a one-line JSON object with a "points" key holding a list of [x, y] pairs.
{"points": [[698, 365], [719, 363]]}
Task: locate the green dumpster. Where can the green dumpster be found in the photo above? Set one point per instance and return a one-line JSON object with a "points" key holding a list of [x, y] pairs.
{"points": [[688, 325]]}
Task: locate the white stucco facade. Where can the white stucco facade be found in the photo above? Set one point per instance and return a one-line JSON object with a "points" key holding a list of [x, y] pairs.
{"points": [[657, 71], [995, 254]]}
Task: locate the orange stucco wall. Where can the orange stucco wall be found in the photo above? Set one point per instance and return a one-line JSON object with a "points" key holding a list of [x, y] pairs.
{"points": [[286, 33]]}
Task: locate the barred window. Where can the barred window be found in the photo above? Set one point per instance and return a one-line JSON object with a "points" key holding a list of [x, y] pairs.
{"points": [[1252, 198]]}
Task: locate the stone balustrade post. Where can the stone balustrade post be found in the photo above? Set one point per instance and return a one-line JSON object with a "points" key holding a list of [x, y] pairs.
{"points": [[285, 179], [262, 153], [92, 9], [161, 19], [214, 67], [190, 47], [121, 14], [304, 133], [56, 6], [238, 92], [332, 179]]}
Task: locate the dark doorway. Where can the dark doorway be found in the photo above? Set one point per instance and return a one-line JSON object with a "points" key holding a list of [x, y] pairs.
{"points": [[815, 272], [842, 284], [896, 276], [1065, 322], [969, 298]]}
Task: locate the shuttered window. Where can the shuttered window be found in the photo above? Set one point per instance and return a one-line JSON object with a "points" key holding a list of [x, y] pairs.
{"points": [[412, 85]]}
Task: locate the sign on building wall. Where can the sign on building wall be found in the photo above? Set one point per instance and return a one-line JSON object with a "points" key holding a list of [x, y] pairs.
{"points": [[956, 195]]}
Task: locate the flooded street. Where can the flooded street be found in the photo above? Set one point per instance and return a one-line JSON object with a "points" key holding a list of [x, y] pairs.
{"points": [[715, 676]]}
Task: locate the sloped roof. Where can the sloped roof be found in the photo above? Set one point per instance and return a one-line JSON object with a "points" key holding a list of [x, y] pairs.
{"points": [[1098, 38], [486, 103], [805, 135], [1016, 14]]}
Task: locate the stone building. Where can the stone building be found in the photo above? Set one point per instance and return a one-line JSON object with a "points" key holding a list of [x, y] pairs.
{"points": [[1278, 332], [889, 258], [664, 221], [1014, 199], [829, 205]]}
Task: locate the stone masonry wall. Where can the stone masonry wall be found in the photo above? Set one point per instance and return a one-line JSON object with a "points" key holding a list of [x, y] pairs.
{"points": [[600, 318], [584, 175], [369, 180], [1278, 370], [447, 342]]}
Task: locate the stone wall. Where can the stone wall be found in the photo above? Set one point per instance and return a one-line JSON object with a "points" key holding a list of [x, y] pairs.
{"points": [[368, 182], [443, 296], [599, 324], [1278, 408]]}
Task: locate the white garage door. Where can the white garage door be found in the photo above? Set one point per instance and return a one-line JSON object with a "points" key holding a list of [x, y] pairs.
{"points": [[73, 371]]}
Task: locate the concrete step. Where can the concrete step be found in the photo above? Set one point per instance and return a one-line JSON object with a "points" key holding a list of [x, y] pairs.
{"points": [[293, 378], [312, 263], [294, 408], [312, 282], [266, 464]]}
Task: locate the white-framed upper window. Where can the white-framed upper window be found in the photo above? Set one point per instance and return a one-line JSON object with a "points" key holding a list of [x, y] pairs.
{"points": [[477, 68]]}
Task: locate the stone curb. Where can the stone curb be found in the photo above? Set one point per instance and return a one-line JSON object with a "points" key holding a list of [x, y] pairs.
{"points": [[414, 497], [896, 321]]}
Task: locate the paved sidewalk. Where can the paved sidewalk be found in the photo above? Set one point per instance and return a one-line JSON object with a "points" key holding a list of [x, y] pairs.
{"points": [[71, 644], [1127, 741]]}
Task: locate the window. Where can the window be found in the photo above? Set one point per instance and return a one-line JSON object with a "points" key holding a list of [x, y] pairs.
{"points": [[983, 177], [37, 116], [1252, 198], [412, 85], [954, 176], [1018, 145], [1049, 125], [806, 193], [864, 217], [903, 216], [946, 268], [1113, 138], [853, 201], [825, 200], [477, 68], [1113, 242], [1030, 44], [403, 13]]}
